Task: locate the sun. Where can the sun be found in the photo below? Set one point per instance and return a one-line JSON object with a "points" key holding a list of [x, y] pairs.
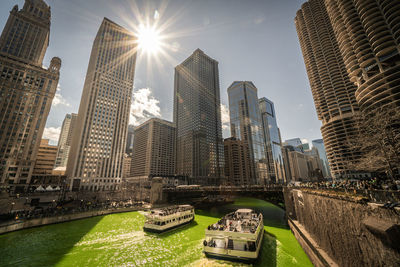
{"points": [[149, 39]]}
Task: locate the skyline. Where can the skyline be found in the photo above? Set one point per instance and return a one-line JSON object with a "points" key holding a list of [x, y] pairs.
{"points": [[212, 27]]}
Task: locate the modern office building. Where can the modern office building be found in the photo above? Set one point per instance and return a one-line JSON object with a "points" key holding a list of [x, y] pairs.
{"points": [[99, 139], [26, 91], [294, 142], [45, 158], [154, 149], [238, 164], [246, 125], [197, 116], [64, 141], [368, 34], [273, 142], [318, 145], [333, 92], [129, 139]]}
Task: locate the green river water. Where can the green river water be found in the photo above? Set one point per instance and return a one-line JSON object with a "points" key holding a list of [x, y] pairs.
{"points": [[118, 240]]}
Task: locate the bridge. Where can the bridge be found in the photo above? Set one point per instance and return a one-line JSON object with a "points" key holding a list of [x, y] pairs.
{"points": [[270, 193]]}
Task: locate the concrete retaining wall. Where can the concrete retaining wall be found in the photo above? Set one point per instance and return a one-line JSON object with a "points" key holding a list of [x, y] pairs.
{"points": [[351, 233], [58, 219]]}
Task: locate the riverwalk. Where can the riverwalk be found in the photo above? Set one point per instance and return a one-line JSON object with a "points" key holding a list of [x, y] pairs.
{"points": [[29, 223]]}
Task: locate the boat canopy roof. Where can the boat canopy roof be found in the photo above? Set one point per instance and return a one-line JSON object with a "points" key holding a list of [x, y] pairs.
{"points": [[244, 211]]}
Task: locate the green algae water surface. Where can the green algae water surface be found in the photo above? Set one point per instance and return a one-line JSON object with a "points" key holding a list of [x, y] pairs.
{"points": [[118, 240]]}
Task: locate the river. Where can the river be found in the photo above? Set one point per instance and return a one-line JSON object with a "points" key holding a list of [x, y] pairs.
{"points": [[118, 240]]}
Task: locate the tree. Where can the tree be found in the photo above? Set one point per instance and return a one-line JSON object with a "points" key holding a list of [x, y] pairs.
{"points": [[379, 141]]}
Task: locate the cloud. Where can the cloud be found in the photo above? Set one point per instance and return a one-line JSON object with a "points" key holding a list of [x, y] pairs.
{"points": [[59, 99], [225, 119], [52, 133], [304, 141], [144, 106]]}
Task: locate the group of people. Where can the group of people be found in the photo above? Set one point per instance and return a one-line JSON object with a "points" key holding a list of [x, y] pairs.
{"points": [[371, 184], [59, 209]]}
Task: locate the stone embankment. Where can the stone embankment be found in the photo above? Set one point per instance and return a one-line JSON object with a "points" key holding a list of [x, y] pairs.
{"points": [[343, 229], [23, 224]]}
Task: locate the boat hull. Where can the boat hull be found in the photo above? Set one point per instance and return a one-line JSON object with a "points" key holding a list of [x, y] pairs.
{"points": [[235, 255], [158, 231]]}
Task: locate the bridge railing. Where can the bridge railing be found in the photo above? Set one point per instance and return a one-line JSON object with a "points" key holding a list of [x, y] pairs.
{"points": [[224, 188]]}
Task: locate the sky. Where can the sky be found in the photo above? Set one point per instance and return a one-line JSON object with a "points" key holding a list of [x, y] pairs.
{"points": [[253, 40]]}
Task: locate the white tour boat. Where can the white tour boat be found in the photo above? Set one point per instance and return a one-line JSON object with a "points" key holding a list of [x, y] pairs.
{"points": [[164, 219], [237, 236]]}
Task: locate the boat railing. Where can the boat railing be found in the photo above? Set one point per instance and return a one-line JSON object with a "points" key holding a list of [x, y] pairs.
{"points": [[169, 216]]}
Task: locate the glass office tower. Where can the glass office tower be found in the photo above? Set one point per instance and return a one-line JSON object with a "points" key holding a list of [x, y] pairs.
{"points": [[197, 116], [246, 125], [273, 143]]}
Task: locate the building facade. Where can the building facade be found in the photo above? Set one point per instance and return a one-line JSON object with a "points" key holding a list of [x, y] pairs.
{"points": [[26, 91], [99, 139], [246, 125], [197, 116], [303, 167], [129, 139], [65, 139], [154, 149], [45, 158], [273, 142], [127, 166], [333, 92], [368, 34], [238, 164], [318, 145]]}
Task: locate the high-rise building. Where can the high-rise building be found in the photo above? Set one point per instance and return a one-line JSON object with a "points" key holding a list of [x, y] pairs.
{"points": [[64, 141], [45, 158], [197, 116], [129, 139], [246, 125], [238, 164], [318, 144], [98, 143], [368, 34], [333, 92], [273, 142], [26, 91], [294, 142], [154, 149]]}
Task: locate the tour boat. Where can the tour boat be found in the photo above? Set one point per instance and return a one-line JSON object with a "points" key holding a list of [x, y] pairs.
{"points": [[168, 218], [237, 236]]}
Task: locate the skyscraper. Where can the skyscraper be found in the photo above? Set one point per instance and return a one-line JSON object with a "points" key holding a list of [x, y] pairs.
{"points": [[333, 92], [154, 149], [64, 141], [318, 144], [26, 91], [197, 116], [246, 125], [368, 32], [96, 157], [273, 142]]}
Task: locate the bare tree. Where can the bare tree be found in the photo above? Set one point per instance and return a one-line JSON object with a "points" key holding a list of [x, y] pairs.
{"points": [[379, 142]]}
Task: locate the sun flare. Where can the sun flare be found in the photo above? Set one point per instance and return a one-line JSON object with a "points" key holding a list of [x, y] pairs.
{"points": [[149, 39]]}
